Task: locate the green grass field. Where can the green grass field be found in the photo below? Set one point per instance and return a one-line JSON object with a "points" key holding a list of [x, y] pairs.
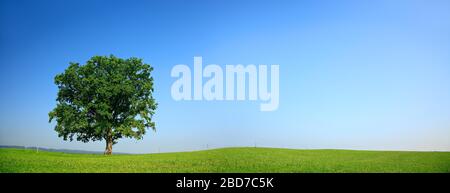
{"points": [[228, 160]]}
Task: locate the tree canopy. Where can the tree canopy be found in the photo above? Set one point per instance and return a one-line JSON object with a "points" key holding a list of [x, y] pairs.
{"points": [[108, 98]]}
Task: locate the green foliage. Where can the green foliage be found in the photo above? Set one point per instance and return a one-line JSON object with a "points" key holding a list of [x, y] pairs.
{"points": [[107, 98], [228, 160]]}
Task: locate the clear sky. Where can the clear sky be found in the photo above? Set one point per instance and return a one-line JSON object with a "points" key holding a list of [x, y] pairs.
{"points": [[353, 74]]}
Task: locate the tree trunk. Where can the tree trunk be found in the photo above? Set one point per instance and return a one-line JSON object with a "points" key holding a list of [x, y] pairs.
{"points": [[109, 143]]}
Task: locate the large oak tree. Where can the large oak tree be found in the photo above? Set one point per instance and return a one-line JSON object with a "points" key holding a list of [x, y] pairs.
{"points": [[106, 99]]}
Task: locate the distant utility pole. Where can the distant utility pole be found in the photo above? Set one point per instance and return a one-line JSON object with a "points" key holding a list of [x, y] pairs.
{"points": [[207, 146], [37, 149]]}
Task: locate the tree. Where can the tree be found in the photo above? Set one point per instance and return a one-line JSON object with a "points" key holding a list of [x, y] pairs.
{"points": [[107, 98]]}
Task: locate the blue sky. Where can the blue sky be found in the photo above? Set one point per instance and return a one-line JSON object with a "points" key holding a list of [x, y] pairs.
{"points": [[353, 74]]}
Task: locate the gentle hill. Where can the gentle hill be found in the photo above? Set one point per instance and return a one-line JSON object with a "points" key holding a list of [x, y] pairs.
{"points": [[228, 160]]}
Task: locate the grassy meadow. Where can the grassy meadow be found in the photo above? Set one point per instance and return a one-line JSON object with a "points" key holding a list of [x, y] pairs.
{"points": [[228, 160]]}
